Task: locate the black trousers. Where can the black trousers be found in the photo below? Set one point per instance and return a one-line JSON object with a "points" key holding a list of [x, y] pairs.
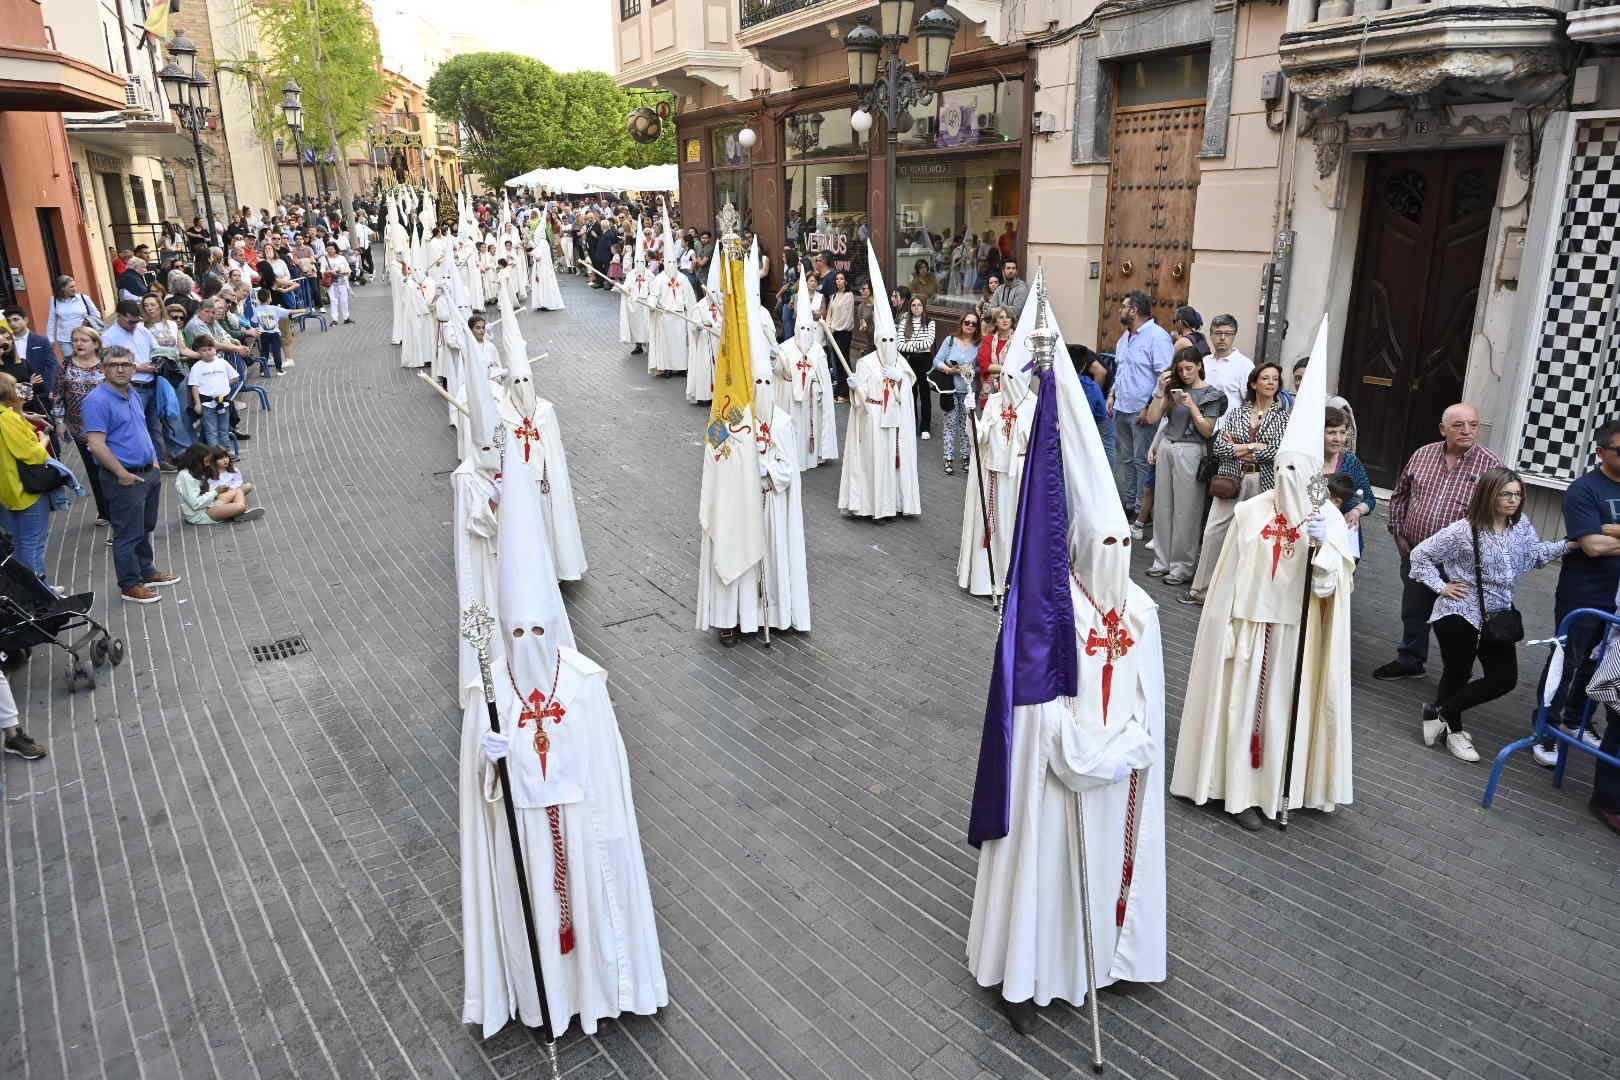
{"points": [[1460, 644], [922, 392], [1606, 781], [844, 338]]}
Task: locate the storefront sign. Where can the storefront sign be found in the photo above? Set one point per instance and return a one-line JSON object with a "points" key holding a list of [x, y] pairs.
{"points": [[832, 243], [103, 163], [694, 150]]}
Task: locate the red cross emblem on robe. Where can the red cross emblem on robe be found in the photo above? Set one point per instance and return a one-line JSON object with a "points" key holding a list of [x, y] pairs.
{"points": [[1282, 537], [528, 433], [1114, 643], [538, 709], [1009, 417], [804, 365]]}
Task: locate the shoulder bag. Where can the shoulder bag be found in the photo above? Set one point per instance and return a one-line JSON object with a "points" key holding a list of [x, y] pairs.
{"points": [[91, 319], [1504, 627], [40, 479]]}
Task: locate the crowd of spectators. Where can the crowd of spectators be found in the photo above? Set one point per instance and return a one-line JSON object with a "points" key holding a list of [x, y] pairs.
{"points": [[148, 384]]}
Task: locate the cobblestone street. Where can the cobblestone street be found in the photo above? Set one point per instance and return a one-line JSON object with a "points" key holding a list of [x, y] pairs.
{"points": [[250, 869]]}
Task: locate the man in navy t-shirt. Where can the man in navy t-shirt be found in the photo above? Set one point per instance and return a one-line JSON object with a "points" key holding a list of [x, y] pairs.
{"points": [[1589, 576]]}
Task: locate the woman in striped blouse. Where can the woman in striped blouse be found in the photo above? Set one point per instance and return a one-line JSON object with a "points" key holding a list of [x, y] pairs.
{"points": [[917, 346]]}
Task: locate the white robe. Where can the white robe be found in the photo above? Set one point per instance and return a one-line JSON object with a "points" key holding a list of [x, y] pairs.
{"points": [[447, 349], [1025, 932], [879, 478], [634, 325], [672, 296], [615, 966], [804, 384], [544, 295], [549, 463], [997, 453], [420, 325], [777, 589], [397, 284], [1213, 750], [702, 350]]}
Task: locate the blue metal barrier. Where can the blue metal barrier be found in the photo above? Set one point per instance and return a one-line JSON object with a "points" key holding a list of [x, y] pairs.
{"points": [[1546, 731]]}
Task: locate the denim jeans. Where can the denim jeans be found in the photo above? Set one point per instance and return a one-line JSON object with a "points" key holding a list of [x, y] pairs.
{"points": [[133, 511], [1131, 472], [28, 529], [1106, 427], [1417, 604], [269, 352], [216, 427], [789, 313], [1569, 699]]}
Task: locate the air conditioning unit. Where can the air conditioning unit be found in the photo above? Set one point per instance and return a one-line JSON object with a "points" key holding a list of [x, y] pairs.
{"points": [[1044, 123]]}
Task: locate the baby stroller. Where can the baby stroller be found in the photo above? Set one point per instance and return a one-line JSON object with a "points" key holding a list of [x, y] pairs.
{"points": [[31, 614]]}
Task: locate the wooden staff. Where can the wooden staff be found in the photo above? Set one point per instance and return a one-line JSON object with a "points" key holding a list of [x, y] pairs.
{"points": [[442, 392], [844, 363]]}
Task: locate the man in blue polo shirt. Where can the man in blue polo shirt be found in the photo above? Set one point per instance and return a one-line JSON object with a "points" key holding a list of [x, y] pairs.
{"points": [[115, 427], [1588, 578], [1143, 350]]}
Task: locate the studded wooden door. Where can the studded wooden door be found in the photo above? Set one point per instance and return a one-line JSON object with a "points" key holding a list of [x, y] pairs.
{"points": [[1152, 193], [1425, 230]]}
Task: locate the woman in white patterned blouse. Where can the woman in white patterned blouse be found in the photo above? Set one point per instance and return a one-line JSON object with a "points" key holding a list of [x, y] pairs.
{"points": [[1507, 549]]}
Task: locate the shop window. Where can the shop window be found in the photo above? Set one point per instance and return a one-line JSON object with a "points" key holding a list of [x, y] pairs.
{"points": [[821, 133], [1160, 79], [959, 216], [52, 238], [732, 185], [986, 114], [826, 211], [727, 149]]}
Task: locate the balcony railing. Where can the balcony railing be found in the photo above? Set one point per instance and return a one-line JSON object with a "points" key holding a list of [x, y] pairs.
{"points": [[755, 12], [1339, 9]]}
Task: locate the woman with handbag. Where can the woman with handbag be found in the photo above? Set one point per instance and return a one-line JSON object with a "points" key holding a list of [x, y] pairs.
{"points": [[952, 372], [1193, 409], [24, 513], [70, 309], [1474, 564], [1244, 447]]}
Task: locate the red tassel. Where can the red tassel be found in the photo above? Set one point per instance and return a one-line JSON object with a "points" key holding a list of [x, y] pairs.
{"points": [[1254, 750], [567, 940]]}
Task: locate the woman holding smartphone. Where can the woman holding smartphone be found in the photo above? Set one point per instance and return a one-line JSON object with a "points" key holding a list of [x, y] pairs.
{"points": [[1193, 408]]}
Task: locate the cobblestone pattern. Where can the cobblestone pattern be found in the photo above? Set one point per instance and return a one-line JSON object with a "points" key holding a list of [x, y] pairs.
{"points": [[250, 870]]}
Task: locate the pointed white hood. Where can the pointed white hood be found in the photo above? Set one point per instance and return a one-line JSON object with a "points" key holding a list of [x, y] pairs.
{"points": [[515, 358], [884, 338], [1099, 533], [806, 333], [533, 621], [1299, 455], [641, 250], [1018, 356], [712, 285]]}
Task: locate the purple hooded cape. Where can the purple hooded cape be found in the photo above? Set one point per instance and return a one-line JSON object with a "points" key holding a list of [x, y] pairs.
{"points": [[1035, 653]]}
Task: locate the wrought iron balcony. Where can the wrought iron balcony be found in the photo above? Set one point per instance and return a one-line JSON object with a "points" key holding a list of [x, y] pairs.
{"points": [[755, 12], [1326, 10]]}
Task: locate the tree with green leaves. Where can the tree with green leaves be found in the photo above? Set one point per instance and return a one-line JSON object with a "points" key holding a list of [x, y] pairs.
{"points": [[517, 114], [330, 48]]}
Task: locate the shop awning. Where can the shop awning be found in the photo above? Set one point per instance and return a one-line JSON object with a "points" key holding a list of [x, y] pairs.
{"points": [[596, 178]]}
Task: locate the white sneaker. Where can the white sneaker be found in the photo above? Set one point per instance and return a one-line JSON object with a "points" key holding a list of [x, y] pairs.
{"points": [[1137, 531], [1461, 745], [1150, 546], [287, 364], [1545, 755], [1433, 725], [926, 436], [1591, 738]]}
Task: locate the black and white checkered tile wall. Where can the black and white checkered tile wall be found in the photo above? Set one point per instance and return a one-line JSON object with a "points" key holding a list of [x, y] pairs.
{"points": [[1578, 363]]}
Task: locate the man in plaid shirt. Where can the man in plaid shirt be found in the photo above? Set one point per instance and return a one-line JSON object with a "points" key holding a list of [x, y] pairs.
{"points": [[1433, 491]]}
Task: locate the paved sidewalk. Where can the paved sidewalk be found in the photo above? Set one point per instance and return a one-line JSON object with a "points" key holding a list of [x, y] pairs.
{"points": [[239, 869]]}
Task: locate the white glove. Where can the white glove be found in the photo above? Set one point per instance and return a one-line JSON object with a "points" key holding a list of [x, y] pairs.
{"points": [[853, 385], [1122, 772], [495, 745], [1316, 528], [892, 374]]}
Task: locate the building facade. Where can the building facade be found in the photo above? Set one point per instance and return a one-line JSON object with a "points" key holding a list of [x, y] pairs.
{"points": [[42, 226], [1435, 177]]}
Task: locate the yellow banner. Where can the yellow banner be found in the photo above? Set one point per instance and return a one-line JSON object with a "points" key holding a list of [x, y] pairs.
{"points": [[729, 414]]}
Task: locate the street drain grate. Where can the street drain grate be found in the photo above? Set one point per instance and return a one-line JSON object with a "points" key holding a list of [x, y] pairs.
{"points": [[280, 649]]}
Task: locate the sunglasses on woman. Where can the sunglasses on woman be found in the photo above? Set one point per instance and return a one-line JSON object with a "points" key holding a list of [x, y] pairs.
{"points": [[970, 322]]}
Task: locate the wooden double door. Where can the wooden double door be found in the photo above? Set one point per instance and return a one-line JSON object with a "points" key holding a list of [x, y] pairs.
{"points": [[1152, 196], [1425, 233]]}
